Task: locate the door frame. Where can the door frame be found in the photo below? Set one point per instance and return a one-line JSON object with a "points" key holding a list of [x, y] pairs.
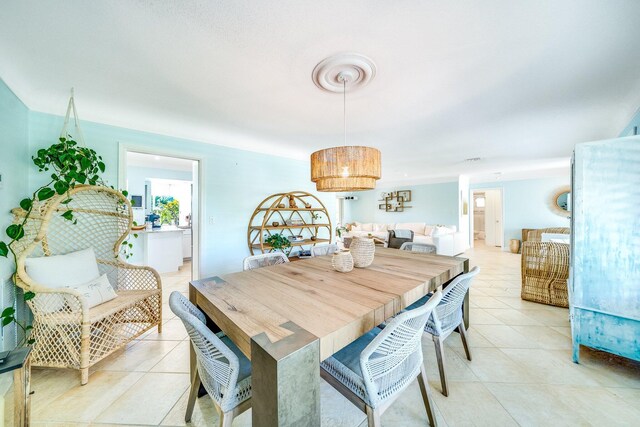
{"points": [[197, 199], [471, 216]]}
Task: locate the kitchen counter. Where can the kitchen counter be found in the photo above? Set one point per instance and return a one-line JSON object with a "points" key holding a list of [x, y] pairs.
{"points": [[167, 229], [159, 248]]}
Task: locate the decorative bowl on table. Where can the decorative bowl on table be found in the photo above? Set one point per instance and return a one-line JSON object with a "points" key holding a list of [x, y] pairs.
{"points": [[342, 261], [363, 250]]}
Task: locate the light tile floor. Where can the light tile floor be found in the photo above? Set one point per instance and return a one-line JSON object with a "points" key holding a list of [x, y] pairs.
{"points": [[521, 373]]}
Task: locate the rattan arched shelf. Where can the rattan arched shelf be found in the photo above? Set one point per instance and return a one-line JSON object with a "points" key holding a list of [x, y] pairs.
{"points": [[295, 218]]}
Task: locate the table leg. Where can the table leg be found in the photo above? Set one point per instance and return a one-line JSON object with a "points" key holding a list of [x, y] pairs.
{"points": [[22, 394], [285, 380], [465, 303]]}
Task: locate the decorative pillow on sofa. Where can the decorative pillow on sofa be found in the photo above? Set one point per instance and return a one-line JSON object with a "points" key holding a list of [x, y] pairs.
{"points": [[367, 227], [72, 269], [416, 227], [379, 227], [441, 230], [96, 291]]}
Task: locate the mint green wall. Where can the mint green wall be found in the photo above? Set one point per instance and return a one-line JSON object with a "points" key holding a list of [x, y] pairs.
{"points": [[14, 142], [431, 203], [235, 181], [526, 204]]}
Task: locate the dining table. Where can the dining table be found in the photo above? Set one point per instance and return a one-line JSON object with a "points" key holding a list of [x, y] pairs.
{"points": [[287, 318]]}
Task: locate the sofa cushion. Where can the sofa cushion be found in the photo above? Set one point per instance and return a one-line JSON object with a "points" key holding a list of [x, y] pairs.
{"points": [[367, 227], [380, 227], [423, 239], [416, 227], [441, 230]]}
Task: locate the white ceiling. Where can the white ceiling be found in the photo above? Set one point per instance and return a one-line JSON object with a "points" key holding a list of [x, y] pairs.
{"points": [[516, 83], [159, 162]]}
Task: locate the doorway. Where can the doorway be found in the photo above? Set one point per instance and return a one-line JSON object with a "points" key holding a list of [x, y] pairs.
{"points": [[487, 218], [164, 190]]}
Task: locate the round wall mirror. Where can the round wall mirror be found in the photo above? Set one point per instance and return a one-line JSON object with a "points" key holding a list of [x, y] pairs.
{"points": [[560, 201]]}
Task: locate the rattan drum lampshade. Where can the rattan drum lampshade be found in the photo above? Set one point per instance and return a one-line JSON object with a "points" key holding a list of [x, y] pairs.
{"points": [[347, 168]]}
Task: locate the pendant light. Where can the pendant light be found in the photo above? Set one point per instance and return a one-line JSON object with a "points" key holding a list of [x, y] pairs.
{"points": [[347, 167]]}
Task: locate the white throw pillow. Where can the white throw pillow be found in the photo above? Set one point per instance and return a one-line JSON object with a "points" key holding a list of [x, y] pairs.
{"points": [[367, 227], [96, 291], [72, 269], [379, 227], [416, 227], [428, 230], [440, 231], [356, 228]]}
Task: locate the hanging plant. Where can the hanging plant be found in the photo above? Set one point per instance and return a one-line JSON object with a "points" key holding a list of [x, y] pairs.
{"points": [[68, 165]]}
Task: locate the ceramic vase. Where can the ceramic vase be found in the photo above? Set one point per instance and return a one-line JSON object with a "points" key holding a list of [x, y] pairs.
{"points": [[514, 246], [363, 250], [342, 261]]}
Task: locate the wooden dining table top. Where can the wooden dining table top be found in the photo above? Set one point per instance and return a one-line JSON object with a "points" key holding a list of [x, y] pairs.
{"points": [[335, 307]]}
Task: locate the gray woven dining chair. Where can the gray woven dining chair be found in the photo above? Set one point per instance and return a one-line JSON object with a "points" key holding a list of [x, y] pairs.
{"points": [[264, 260], [418, 247], [323, 250], [373, 370], [221, 367], [447, 317]]}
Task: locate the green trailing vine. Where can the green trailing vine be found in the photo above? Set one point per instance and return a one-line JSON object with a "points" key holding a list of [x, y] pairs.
{"points": [[69, 165]]}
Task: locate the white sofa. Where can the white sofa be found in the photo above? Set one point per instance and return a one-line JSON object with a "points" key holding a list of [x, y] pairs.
{"points": [[447, 240]]}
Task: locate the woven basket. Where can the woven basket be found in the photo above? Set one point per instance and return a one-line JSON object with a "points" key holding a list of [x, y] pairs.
{"points": [[342, 261], [363, 250]]}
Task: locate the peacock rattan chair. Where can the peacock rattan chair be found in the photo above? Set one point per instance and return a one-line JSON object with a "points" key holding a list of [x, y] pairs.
{"points": [[76, 336], [373, 370], [264, 260], [221, 367], [545, 271]]}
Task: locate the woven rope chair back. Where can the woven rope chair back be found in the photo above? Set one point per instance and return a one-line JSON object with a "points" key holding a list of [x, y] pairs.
{"points": [[323, 250], [218, 366], [394, 358], [264, 260], [418, 247], [448, 315], [102, 219]]}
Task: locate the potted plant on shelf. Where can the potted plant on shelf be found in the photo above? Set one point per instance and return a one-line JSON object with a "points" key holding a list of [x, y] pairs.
{"points": [[277, 241], [315, 216]]}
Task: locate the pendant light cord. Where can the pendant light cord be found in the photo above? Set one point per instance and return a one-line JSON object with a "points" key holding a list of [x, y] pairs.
{"points": [[344, 108]]}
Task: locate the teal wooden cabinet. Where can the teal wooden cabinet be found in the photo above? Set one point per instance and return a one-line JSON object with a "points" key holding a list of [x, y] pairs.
{"points": [[604, 283]]}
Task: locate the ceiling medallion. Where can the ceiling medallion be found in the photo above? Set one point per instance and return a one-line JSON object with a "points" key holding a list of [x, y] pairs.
{"points": [[356, 68], [345, 168]]}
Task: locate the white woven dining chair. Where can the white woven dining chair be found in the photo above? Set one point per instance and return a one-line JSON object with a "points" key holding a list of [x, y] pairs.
{"points": [[323, 250], [221, 367], [418, 247], [447, 317], [264, 260], [373, 370]]}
